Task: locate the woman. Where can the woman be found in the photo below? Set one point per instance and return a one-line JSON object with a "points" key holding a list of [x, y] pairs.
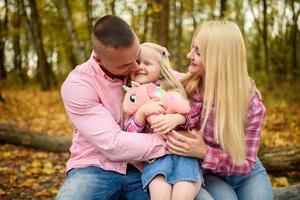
{"points": [[231, 115]]}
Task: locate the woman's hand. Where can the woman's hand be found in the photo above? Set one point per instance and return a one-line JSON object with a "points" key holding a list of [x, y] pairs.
{"points": [[165, 123], [189, 143]]}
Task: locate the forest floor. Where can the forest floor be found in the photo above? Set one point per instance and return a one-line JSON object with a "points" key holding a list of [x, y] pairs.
{"points": [[31, 174]]}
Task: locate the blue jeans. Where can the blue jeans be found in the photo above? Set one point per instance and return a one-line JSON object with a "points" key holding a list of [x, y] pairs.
{"points": [[95, 183], [254, 186]]}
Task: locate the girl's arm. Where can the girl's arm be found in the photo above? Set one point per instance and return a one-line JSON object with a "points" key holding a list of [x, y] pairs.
{"points": [[193, 117], [132, 126], [136, 123], [167, 122]]}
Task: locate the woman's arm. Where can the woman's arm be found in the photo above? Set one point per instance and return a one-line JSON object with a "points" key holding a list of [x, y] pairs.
{"points": [[215, 159]]}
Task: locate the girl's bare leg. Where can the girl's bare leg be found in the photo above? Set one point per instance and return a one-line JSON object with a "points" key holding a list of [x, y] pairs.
{"points": [[160, 189]]}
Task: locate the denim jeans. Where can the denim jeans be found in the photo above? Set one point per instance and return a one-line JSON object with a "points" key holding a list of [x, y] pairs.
{"points": [[254, 186], [95, 183]]}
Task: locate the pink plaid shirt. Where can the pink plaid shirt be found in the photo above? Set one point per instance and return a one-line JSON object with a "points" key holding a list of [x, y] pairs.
{"points": [[216, 160]]}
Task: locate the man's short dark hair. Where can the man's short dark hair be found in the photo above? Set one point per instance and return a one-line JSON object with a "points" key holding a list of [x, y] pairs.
{"points": [[113, 31]]}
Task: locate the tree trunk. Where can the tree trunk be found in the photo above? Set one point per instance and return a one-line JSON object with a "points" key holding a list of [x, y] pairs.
{"points": [[3, 35], [16, 44], [294, 44], [161, 23], [76, 49], [265, 36], [177, 44], [223, 8], [146, 20], [89, 15], [110, 7], [45, 75], [257, 61], [89, 18], [240, 17]]}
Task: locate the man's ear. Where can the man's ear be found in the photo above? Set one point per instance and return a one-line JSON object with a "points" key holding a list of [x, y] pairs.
{"points": [[98, 60]]}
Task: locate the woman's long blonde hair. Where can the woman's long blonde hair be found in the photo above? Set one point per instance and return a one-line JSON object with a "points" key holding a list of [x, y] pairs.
{"points": [[226, 84], [168, 80]]}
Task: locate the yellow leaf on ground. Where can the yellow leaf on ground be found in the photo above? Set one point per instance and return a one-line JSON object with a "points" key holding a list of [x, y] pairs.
{"points": [[2, 192], [36, 163]]}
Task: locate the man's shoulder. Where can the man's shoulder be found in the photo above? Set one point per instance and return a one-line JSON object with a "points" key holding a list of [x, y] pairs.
{"points": [[80, 72]]}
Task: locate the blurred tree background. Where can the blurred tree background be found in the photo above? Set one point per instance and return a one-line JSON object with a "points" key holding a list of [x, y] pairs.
{"points": [[42, 41]]}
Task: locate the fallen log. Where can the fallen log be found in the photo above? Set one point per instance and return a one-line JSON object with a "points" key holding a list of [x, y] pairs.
{"points": [[42, 141], [277, 160], [280, 160], [287, 193]]}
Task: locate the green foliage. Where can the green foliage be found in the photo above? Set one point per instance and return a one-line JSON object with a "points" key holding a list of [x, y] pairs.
{"points": [[184, 17]]}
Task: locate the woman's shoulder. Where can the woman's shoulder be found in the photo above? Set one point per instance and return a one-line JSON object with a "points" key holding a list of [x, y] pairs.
{"points": [[256, 100]]}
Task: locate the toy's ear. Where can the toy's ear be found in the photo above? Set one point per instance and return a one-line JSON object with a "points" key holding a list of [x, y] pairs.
{"points": [[155, 91], [135, 84], [126, 88]]}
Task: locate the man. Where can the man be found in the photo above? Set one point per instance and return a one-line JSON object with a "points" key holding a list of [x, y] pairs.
{"points": [[99, 167]]}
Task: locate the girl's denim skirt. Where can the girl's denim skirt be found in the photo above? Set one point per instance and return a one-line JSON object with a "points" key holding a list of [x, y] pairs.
{"points": [[174, 168]]}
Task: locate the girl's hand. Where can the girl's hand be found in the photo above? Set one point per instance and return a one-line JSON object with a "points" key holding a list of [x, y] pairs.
{"points": [[152, 107], [192, 145], [167, 122]]}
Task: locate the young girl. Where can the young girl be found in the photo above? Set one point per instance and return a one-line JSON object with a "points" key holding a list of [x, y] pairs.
{"points": [[232, 115], [171, 176]]}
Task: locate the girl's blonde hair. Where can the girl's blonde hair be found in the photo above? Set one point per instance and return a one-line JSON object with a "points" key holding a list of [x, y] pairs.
{"points": [[226, 84], [168, 80]]}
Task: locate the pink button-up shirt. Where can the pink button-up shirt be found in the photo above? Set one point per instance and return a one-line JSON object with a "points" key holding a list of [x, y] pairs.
{"points": [[93, 104]]}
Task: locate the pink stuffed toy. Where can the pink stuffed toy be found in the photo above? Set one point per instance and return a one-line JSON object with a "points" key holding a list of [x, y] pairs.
{"points": [[137, 95]]}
